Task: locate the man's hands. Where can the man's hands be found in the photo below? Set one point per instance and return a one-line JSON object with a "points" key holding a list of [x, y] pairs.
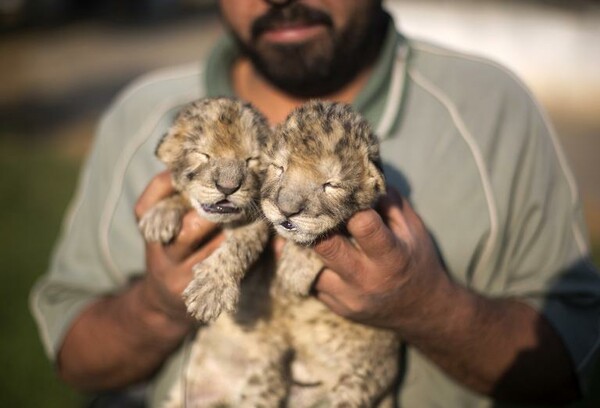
{"points": [[121, 339], [169, 268], [392, 265], [389, 274]]}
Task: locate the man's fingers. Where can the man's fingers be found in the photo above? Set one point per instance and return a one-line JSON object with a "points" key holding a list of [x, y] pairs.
{"points": [[329, 282], [336, 293], [194, 231], [155, 255], [159, 187], [401, 218], [277, 244], [331, 302], [371, 234], [203, 252], [180, 271], [394, 210], [338, 253]]}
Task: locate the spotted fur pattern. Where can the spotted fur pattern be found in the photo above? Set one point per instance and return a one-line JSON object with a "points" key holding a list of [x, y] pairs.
{"points": [[323, 166], [213, 151], [278, 349]]}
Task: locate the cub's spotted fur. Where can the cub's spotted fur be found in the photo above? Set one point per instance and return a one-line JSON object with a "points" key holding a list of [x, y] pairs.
{"points": [[213, 150], [323, 166], [277, 348]]}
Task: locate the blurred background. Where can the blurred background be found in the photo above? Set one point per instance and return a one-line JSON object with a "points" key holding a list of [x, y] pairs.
{"points": [[62, 61]]}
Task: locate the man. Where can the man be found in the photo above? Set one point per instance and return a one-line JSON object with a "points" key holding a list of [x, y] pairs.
{"points": [[481, 267]]}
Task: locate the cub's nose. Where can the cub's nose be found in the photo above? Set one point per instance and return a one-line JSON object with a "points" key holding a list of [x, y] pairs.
{"points": [[290, 203], [290, 212], [227, 189]]}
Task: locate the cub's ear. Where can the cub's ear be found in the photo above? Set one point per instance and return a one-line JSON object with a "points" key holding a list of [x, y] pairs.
{"points": [[375, 177], [168, 148]]}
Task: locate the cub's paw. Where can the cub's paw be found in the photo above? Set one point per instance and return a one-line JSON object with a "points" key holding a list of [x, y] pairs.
{"points": [[297, 278], [210, 293], [293, 283], [161, 223]]}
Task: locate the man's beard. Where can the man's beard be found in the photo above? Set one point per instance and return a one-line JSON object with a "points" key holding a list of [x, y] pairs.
{"points": [[319, 66]]}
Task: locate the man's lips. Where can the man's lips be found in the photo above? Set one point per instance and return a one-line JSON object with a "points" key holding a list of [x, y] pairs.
{"points": [[292, 33], [291, 23], [221, 207]]}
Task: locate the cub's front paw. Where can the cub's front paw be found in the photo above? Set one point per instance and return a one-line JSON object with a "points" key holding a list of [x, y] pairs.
{"points": [[294, 283], [210, 293], [161, 223], [297, 278]]}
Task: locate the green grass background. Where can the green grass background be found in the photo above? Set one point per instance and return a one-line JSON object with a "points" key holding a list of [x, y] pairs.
{"points": [[36, 183]]}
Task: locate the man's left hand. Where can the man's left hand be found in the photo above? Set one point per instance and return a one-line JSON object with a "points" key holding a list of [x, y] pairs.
{"points": [[388, 273]]}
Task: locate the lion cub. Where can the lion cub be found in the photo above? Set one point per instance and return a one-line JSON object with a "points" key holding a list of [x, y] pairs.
{"points": [[276, 348], [323, 166], [213, 150]]}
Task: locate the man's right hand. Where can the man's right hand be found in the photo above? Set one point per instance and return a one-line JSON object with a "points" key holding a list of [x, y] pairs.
{"points": [[123, 338], [169, 267]]}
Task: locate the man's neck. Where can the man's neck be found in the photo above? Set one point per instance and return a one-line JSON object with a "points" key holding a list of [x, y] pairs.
{"points": [[274, 103]]}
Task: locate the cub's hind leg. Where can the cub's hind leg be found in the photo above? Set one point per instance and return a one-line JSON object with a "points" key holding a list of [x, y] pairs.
{"points": [[357, 364], [268, 382], [367, 367]]}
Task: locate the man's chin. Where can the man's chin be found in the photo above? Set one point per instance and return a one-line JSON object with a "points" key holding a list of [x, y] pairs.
{"points": [[286, 67]]}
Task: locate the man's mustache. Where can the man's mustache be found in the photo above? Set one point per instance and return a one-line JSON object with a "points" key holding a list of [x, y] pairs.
{"points": [[294, 14]]}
